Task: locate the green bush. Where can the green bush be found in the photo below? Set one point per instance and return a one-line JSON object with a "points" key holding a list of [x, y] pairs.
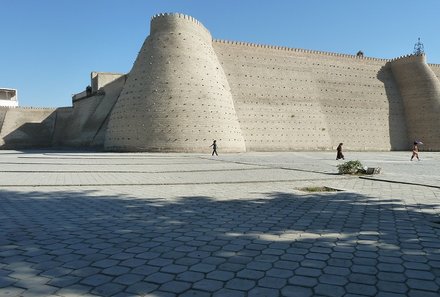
{"points": [[351, 167]]}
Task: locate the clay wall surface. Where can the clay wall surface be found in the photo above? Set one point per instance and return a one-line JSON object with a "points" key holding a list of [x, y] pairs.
{"points": [[62, 125], [419, 86], [2, 116], [81, 125], [27, 127], [71, 133], [93, 130], [78, 96], [436, 69], [288, 99], [101, 79], [176, 97], [186, 89]]}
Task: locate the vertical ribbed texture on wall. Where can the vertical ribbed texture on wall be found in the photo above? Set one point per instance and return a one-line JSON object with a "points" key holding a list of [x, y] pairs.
{"points": [[420, 90], [176, 97]]}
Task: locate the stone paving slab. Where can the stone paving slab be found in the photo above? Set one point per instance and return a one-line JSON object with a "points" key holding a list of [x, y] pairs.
{"points": [[127, 168], [241, 228]]}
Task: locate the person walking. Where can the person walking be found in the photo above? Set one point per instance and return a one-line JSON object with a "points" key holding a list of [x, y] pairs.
{"points": [[339, 154], [214, 148], [415, 151]]}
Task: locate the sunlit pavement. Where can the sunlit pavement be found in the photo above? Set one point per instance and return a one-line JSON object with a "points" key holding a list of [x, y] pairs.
{"points": [[108, 224]]}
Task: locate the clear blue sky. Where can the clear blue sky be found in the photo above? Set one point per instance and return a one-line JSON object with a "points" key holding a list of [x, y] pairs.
{"points": [[49, 47]]}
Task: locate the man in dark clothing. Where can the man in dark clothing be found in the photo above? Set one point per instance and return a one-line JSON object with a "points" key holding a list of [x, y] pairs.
{"points": [[339, 155], [214, 148]]}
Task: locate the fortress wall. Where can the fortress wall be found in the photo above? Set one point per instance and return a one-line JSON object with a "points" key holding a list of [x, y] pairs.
{"points": [[101, 79], [27, 128], [70, 132], [419, 86], [176, 97], [289, 99], [3, 111], [186, 89], [93, 131], [268, 88], [436, 69], [62, 125], [361, 102], [85, 124]]}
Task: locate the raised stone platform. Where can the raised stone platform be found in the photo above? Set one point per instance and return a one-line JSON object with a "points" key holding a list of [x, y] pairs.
{"points": [[107, 224]]}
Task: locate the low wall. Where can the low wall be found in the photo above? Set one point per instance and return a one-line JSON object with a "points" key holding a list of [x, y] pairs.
{"points": [[27, 127]]}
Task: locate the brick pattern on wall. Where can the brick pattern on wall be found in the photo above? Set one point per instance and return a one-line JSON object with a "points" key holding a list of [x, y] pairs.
{"points": [[186, 89], [419, 86], [176, 97], [287, 99], [27, 127]]}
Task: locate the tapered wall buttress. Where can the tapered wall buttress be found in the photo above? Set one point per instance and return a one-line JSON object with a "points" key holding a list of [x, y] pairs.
{"points": [[420, 90], [176, 97]]}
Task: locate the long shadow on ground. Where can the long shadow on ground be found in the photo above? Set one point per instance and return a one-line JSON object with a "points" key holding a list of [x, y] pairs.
{"points": [[283, 245]]}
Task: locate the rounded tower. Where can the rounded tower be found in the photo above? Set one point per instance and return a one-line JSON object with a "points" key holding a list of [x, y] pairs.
{"points": [[420, 91], [177, 97]]}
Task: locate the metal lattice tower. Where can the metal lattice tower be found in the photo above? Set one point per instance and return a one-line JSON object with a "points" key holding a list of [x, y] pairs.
{"points": [[418, 48]]}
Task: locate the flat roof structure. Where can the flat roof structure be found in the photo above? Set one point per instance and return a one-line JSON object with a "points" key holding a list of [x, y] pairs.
{"points": [[8, 97]]}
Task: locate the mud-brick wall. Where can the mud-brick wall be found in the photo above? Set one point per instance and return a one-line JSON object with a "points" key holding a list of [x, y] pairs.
{"points": [[289, 99], [361, 102], [275, 97], [85, 124], [26, 127], [419, 86], [176, 97], [436, 69]]}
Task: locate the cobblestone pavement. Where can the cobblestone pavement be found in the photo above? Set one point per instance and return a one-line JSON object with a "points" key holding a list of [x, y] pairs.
{"points": [[108, 224]]}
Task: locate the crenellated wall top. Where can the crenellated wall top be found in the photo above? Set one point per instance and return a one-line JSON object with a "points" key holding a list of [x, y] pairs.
{"points": [[162, 16], [409, 57], [300, 50], [182, 16], [35, 108]]}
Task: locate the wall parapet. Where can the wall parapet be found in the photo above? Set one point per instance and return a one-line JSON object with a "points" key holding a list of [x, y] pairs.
{"points": [[299, 50], [408, 58], [35, 108], [180, 16]]}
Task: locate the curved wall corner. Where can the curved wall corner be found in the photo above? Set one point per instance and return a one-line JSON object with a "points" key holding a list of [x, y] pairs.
{"points": [[420, 91], [176, 97]]}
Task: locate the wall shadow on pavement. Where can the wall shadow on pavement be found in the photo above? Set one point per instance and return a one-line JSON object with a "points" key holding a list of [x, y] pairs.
{"points": [[68, 242]]}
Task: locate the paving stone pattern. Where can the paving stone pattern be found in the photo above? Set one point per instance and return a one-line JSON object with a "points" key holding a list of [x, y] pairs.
{"points": [[108, 224]]}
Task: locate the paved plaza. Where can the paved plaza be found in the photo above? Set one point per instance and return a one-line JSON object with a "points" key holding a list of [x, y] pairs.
{"points": [[110, 224]]}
